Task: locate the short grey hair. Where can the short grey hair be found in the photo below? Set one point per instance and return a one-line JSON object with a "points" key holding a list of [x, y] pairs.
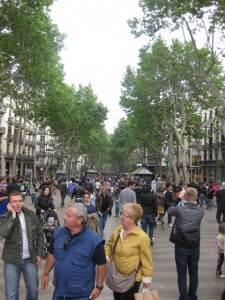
{"points": [[81, 211]]}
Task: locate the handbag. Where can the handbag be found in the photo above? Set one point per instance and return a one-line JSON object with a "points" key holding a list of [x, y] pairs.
{"points": [[150, 295], [116, 281], [161, 210]]}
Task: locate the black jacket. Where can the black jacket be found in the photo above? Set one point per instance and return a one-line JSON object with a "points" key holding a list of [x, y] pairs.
{"points": [[44, 203], [148, 203], [220, 195]]}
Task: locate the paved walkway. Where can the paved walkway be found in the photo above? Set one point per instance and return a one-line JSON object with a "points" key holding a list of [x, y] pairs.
{"points": [[165, 278]]}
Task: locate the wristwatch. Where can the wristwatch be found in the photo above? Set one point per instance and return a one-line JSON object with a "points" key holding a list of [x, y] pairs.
{"points": [[99, 287]]}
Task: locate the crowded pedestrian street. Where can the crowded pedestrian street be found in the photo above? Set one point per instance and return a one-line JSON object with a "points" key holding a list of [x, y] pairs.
{"points": [[165, 276]]}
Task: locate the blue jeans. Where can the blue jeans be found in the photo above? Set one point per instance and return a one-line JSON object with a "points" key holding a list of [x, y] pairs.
{"points": [[201, 199], [117, 208], [102, 220], [33, 197], [187, 259], [72, 298], [148, 220], [54, 297], [12, 274]]}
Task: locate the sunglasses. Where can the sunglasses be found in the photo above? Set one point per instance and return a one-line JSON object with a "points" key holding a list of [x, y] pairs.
{"points": [[67, 243]]}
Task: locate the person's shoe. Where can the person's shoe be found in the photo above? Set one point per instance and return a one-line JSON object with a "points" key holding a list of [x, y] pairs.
{"points": [[221, 276], [151, 243], [171, 225]]}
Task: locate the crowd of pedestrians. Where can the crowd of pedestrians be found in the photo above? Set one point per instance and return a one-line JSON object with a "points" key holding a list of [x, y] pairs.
{"points": [[78, 246]]}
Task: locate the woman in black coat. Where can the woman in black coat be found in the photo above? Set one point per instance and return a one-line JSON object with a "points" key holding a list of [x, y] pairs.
{"points": [[44, 202]]}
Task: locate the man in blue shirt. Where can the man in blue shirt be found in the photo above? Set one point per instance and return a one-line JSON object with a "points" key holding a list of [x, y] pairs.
{"points": [[75, 253]]}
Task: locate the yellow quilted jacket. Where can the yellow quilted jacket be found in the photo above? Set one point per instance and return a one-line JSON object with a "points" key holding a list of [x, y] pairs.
{"points": [[134, 248]]}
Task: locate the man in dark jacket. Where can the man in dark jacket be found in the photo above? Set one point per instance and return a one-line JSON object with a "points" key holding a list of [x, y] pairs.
{"points": [[148, 203], [23, 248], [185, 235], [63, 191], [169, 198], [220, 197]]}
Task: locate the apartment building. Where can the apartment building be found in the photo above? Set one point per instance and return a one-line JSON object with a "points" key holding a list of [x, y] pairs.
{"points": [[25, 144]]}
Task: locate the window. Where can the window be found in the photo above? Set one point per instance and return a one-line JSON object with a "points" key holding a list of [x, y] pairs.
{"points": [[42, 149]]}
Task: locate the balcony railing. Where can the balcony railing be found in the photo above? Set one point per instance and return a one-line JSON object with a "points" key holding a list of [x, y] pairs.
{"points": [[3, 109], [2, 130], [11, 137], [11, 120], [29, 143], [8, 155]]}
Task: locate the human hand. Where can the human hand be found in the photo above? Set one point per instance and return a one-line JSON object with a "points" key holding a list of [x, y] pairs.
{"points": [[95, 293], [146, 285], [44, 281], [38, 261], [42, 211], [11, 208]]}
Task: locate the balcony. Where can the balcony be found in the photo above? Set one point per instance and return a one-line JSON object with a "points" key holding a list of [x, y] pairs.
{"points": [[11, 120], [30, 130], [209, 163], [2, 130], [40, 153], [24, 157], [29, 143], [17, 123], [41, 143], [3, 109], [9, 155], [11, 137]]}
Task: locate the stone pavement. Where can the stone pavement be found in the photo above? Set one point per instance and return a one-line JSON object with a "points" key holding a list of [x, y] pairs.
{"points": [[165, 277]]}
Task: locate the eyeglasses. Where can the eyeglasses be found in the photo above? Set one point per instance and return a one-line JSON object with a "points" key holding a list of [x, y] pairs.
{"points": [[123, 215], [67, 243]]}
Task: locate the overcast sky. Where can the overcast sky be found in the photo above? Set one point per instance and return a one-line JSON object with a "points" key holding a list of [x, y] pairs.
{"points": [[98, 46]]}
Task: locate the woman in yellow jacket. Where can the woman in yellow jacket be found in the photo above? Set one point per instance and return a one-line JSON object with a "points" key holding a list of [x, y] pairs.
{"points": [[132, 248]]}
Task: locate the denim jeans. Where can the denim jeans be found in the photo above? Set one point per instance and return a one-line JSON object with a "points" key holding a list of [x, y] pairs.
{"points": [[102, 220], [63, 196], [201, 199], [72, 298], [117, 208], [33, 197], [148, 220], [12, 274], [220, 212], [187, 259]]}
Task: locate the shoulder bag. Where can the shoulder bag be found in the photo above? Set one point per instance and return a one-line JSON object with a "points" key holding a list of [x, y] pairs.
{"points": [[116, 281]]}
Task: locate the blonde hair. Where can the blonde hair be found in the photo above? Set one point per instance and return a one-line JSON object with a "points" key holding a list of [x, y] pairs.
{"points": [[191, 194], [222, 228], [134, 211]]}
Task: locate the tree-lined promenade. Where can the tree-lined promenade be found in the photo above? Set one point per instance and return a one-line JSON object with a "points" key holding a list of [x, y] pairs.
{"points": [[165, 98]]}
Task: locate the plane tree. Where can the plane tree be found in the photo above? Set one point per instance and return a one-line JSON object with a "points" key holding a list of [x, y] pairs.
{"points": [[163, 94], [194, 19]]}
